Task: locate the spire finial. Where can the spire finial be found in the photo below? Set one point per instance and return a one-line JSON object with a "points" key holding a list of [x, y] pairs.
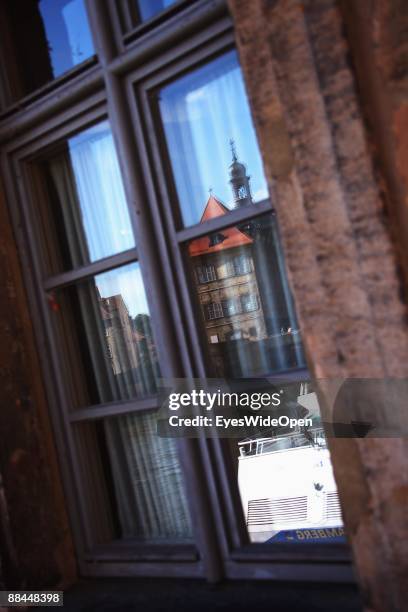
{"points": [[233, 150], [210, 191]]}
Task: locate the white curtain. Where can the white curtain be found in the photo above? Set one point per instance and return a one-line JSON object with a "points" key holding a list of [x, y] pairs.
{"points": [[104, 212], [146, 474]]}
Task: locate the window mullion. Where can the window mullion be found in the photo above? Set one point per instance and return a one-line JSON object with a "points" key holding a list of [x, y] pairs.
{"points": [[238, 215], [114, 409], [92, 269]]}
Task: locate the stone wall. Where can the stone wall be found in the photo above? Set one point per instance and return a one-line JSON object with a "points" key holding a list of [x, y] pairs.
{"points": [[343, 248]]}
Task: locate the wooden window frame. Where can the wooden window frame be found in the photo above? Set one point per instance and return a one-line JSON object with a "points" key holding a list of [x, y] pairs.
{"points": [[121, 87]]}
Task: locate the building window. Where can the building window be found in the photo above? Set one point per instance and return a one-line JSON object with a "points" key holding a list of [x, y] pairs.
{"points": [[83, 315], [105, 341], [50, 37], [272, 352], [213, 95], [112, 241], [253, 332], [249, 302], [135, 13], [231, 307], [242, 265], [235, 334], [206, 274], [150, 8], [84, 212], [214, 311]]}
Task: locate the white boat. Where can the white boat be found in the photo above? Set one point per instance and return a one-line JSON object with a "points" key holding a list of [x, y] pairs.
{"points": [[286, 483]]}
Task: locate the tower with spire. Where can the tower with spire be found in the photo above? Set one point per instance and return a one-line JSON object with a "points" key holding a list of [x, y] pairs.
{"points": [[239, 180]]}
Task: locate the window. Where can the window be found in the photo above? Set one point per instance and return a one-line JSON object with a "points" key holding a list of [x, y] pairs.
{"points": [[214, 311], [151, 251], [205, 274], [105, 342], [150, 8], [84, 212], [257, 291], [211, 161], [135, 13], [51, 35], [253, 332], [225, 268], [235, 334], [231, 307], [272, 352], [242, 265], [117, 296], [136, 477], [249, 302]]}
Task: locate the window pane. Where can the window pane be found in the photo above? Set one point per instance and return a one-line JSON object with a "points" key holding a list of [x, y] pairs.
{"points": [[205, 274], [211, 140], [85, 216], [106, 339], [285, 477], [249, 302], [50, 37], [286, 480], [247, 309], [133, 480], [150, 8]]}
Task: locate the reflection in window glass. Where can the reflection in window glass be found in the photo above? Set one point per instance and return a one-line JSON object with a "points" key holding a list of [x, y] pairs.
{"points": [[286, 480], [133, 480], [251, 312], [249, 302], [67, 30], [285, 477], [205, 274], [50, 36], [86, 202], [150, 8], [231, 306], [106, 338], [248, 319], [209, 132]]}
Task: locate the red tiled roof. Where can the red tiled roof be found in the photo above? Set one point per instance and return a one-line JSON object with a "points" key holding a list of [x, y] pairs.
{"points": [[233, 236]]}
